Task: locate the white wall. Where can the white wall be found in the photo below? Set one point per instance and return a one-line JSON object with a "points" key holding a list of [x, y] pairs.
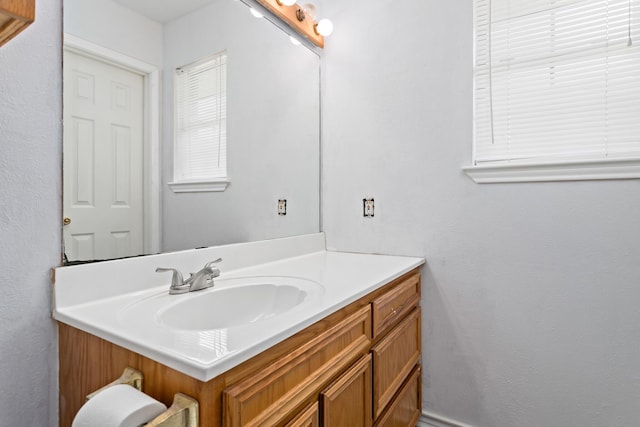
{"points": [[30, 218], [111, 25], [272, 131], [530, 292]]}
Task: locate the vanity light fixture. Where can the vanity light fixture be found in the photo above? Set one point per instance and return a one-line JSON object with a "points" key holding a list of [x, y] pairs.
{"points": [[306, 11], [323, 27], [301, 18]]}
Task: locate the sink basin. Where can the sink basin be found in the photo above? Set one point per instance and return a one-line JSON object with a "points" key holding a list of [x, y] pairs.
{"points": [[233, 306], [231, 303]]}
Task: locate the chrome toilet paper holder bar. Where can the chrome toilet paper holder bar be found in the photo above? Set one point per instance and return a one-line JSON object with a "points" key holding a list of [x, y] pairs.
{"points": [[183, 412]]}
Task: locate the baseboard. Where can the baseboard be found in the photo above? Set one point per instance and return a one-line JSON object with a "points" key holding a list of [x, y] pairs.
{"points": [[429, 419]]}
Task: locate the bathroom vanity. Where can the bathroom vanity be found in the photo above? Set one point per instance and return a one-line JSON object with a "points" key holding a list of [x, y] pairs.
{"points": [[347, 353]]}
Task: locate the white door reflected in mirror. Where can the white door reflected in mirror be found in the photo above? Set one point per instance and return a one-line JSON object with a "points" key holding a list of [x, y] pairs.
{"points": [[103, 163]]}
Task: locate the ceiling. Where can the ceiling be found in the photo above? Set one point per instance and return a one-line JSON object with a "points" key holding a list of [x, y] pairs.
{"points": [[163, 10]]}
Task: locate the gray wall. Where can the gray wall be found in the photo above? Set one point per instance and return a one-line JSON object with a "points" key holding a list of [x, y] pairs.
{"points": [[530, 291], [30, 218]]}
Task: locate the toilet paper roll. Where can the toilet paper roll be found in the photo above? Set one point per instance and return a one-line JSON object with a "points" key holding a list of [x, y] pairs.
{"points": [[118, 406]]}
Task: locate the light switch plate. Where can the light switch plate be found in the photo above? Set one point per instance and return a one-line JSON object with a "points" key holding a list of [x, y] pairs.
{"points": [[282, 206], [368, 207]]}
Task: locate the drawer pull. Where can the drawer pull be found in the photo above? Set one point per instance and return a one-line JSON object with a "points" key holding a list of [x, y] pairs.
{"points": [[395, 311]]}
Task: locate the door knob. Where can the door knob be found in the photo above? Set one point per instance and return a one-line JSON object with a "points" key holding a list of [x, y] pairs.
{"points": [[66, 220]]}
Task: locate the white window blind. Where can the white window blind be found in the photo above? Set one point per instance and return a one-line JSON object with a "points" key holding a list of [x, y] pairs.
{"points": [[556, 79], [201, 120]]}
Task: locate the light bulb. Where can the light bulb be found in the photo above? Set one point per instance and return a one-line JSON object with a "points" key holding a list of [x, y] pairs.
{"points": [[309, 10], [286, 2], [324, 27]]}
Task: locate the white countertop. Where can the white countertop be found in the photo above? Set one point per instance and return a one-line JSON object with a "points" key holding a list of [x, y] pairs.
{"points": [[340, 278]]}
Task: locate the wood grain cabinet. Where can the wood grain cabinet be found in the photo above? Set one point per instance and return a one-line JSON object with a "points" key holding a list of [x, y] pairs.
{"points": [[394, 357], [347, 402], [405, 409], [270, 397], [15, 16], [310, 417], [358, 367]]}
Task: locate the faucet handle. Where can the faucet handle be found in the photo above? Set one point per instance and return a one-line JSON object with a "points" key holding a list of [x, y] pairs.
{"points": [[211, 263], [215, 271], [176, 278]]}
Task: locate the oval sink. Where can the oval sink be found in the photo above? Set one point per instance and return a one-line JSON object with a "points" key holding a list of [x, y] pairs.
{"points": [[233, 302], [227, 307]]}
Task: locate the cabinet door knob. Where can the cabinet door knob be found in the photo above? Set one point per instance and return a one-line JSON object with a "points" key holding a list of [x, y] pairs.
{"points": [[66, 220]]}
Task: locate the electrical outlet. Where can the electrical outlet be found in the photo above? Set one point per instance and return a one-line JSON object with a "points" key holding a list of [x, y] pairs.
{"points": [[368, 208], [282, 206]]}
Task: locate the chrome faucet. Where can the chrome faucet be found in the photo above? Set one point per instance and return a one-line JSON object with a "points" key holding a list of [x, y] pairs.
{"points": [[203, 279]]}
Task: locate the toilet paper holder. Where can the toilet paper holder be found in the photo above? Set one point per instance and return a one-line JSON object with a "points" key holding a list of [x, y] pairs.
{"points": [[183, 412], [130, 376]]}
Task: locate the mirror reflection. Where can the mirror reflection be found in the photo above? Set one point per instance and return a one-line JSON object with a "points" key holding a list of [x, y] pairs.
{"points": [[121, 60]]}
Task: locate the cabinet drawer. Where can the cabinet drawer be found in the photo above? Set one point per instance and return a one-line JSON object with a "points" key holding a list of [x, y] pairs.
{"points": [[387, 309], [405, 409], [394, 357], [347, 402], [271, 396], [310, 417]]}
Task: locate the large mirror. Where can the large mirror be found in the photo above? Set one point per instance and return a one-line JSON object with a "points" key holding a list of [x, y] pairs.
{"points": [[120, 64]]}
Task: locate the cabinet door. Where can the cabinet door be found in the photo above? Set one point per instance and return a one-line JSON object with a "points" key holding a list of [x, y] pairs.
{"points": [[347, 402], [404, 411], [310, 417], [394, 357]]}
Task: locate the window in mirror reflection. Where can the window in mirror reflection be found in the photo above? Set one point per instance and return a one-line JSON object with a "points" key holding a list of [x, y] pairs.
{"points": [[200, 117]]}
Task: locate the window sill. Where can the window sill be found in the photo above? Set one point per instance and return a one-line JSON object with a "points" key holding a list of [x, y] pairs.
{"points": [[201, 186], [561, 171]]}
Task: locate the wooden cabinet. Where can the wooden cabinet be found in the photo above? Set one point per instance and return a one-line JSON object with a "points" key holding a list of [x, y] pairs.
{"points": [[310, 417], [270, 396], [394, 357], [358, 367], [15, 16], [405, 409], [347, 402], [393, 305]]}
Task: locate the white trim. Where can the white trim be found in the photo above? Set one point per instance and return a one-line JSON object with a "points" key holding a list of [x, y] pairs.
{"points": [[560, 171], [210, 185], [100, 52], [429, 419], [151, 73], [153, 231]]}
